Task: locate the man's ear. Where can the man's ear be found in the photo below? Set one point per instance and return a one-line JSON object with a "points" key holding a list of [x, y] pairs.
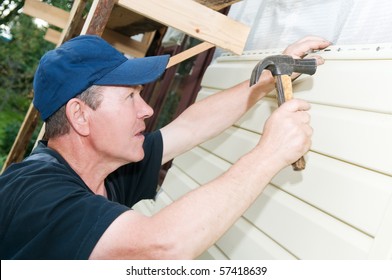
{"points": [[77, 111]]}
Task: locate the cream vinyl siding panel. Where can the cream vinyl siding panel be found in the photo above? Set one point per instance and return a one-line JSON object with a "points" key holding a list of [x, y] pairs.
{"points": [[324, 177], [278, 211], [348, 132], [245, 241], [340, 206], [305, 231], [233, 242], [212, 253]]}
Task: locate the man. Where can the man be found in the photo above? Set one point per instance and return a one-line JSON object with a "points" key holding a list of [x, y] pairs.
{"points": [[72, 198]]}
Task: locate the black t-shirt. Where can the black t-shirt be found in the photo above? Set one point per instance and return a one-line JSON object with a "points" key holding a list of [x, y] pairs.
{"points": [[48, 212]]}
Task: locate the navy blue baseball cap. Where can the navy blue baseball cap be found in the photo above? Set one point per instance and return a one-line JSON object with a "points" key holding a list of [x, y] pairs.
{"points": [[84, 61]]}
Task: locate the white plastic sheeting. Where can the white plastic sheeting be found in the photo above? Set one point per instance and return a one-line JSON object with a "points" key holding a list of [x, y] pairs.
{"points": [[277, 23]]}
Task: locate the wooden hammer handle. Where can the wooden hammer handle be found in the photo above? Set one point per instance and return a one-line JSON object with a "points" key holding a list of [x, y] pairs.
{"points": [[285, 93]]}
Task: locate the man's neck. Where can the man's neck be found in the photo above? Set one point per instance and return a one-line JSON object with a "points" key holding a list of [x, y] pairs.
{"points": [[89, 165]]}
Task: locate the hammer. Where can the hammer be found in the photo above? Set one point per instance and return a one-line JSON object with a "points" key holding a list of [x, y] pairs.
{"points": [[281, 67]]}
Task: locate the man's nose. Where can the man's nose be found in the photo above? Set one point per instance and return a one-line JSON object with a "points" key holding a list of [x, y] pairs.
{"points": [[145, 111]]}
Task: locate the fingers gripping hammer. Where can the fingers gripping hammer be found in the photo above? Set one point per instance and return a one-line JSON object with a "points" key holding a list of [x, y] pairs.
{"points": [[281, 67]]}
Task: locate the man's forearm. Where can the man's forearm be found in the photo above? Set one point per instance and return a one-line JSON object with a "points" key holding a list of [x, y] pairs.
{"points": [[203, 215], [210, 116]]}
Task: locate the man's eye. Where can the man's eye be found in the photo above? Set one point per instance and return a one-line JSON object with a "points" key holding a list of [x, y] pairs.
{"points": [[131, 95]]}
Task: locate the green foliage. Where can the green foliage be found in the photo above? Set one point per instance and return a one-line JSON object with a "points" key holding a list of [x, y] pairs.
{"points": [[8, 119], [19, 58], [9, 133], [20, 52], [9, 9]]}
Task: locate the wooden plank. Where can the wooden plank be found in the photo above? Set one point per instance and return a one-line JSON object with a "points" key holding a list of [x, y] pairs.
{"points": [[217, 4], [98, 17], [71, 29], [125, 44], [74, 22], [194, 19], [189, 53], [52, 36], [130, 23], [46, 12], [148, 37]]}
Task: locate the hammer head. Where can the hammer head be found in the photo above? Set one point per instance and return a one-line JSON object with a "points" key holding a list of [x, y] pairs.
{"points": [[283, 65]]}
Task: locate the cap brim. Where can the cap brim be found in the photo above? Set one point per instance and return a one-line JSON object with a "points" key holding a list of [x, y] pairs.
{"points": [[136, 71]]}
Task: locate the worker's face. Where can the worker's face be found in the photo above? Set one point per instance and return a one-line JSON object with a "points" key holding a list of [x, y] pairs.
{"points": [[117, 125]]}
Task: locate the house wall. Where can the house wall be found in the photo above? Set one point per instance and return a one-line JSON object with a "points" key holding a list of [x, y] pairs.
{"points": [[340, 206]]}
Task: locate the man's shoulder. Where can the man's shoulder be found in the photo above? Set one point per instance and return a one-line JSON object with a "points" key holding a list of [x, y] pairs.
{"points": [[37, 176], [33, 167]]}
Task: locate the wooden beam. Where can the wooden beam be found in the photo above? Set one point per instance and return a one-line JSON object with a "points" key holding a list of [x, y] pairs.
{"points": [[195, 20], [46, 12], [98, 17], [75, 21], [122, 43], [52, 36], [189, 53], [126, 44], [217, 4], [129, 23], [148, 37]]}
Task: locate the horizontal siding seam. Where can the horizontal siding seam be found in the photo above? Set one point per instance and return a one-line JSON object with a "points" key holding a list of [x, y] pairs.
{"points": [[350, 163], [270, 237], [322, 211]]}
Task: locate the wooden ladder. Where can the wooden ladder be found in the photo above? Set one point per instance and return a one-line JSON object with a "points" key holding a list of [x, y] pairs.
{"points": [[199, 19]]}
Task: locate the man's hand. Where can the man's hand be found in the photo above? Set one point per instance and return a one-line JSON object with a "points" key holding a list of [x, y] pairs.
{"points": [[299, 49], [287, 133], [305, 47]]}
